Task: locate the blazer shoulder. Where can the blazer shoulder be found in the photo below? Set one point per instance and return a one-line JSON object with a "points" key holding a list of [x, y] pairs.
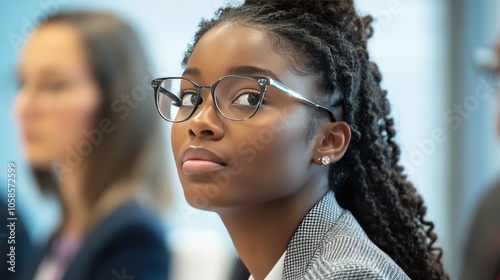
{"points": [[347, 253], [129, 242], [127, 226], [323, 269], [134, 251], [130, 215]]}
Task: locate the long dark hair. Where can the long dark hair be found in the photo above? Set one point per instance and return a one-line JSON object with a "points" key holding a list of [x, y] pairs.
{"points": [[118, 64], [328, 40]]}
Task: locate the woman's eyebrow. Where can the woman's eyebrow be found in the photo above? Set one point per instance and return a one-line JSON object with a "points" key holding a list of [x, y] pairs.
{"points": [[251, 70], [236, 70], [192, 72]]}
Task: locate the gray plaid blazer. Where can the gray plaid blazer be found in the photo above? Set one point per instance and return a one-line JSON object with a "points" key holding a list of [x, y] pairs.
{"points": [[330, 244]]}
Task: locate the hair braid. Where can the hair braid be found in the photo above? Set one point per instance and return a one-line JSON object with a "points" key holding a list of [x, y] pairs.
{"points": [[327, 40]]}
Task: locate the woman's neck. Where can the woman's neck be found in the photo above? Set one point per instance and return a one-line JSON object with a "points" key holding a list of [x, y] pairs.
{"points": [[78, 216], [261, 233]]}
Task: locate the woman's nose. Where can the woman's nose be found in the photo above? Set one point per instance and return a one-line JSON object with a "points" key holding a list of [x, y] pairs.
{"points": [[24, 103], [206, 120]]}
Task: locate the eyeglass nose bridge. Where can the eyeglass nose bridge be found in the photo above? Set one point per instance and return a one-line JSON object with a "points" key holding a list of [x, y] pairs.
{"points": [[200, 98], [200, 88], [205, 87], [211, 88]]}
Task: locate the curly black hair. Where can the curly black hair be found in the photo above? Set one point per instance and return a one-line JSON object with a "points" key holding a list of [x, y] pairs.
{"points": [[327, 40]]}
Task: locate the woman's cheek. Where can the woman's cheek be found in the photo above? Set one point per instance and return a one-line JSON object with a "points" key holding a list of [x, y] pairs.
{"points": [[263, 156], [70, 124]]}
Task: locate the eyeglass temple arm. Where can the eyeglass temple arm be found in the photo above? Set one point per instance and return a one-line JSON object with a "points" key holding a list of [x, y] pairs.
{"points": [[156, 85], [293, 94]]}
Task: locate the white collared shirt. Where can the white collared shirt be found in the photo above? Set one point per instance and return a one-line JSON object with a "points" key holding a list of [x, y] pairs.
{"points": [[277, 272]]}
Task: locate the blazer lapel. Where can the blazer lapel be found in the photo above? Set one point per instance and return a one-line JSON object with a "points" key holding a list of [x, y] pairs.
{"points": [[309, 235]]}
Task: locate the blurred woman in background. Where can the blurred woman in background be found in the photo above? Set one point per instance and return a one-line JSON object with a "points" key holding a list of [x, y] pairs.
{"points": [[87, 122], [482, 252]]}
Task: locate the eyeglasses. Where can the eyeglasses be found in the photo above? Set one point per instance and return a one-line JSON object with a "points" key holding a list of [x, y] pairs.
{"points": [[235, 97]]}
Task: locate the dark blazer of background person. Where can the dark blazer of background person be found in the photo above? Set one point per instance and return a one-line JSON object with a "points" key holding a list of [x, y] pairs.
{"points": [[22, 243], [128, 244]]}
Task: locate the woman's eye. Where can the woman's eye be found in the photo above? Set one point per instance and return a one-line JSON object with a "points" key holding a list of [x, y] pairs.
{"points": [[55, 87], [20, 84], [188, 99], [248, 98]]}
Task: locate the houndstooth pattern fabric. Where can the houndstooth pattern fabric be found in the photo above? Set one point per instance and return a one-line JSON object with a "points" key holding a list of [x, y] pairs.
{"points": [[330, 244]]}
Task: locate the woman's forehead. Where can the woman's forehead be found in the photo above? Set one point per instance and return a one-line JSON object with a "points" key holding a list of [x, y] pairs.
{"points": [[227, 47], [230, 45]]}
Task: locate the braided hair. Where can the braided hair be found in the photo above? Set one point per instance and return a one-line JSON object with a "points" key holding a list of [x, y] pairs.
{"points": [[327, 40]]}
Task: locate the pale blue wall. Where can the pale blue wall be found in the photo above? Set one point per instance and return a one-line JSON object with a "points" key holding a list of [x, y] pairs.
{"points": [[413, 49]]}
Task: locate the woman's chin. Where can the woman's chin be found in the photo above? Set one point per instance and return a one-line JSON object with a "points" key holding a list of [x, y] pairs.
{"points": [[209, 197], [201, 201], [38, 161]]}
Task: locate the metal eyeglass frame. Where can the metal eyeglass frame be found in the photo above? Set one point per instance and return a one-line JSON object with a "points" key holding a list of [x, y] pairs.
{"points": [[261, 80]]}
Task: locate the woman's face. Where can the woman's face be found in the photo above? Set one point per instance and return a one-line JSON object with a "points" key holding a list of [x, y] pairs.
{"points": [[498, 113], [243, 163], [58, 99]]}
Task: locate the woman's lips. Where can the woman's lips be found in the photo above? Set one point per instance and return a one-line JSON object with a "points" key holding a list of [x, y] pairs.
{"points": [[196, 166], [197, 160], [29, 136]]}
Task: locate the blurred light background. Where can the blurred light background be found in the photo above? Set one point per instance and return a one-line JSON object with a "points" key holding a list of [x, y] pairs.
{"points": [[425, 50]]}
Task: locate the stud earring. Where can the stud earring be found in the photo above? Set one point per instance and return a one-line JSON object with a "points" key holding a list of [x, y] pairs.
{"points": [[324, 160]]}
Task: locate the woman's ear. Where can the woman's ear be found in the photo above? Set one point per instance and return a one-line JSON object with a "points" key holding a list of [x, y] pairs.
{"points": [[332, 142]]}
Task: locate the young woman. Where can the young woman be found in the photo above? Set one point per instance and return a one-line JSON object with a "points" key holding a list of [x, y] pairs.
{"points": [[281, 128], [482, 251], [83, 106]]}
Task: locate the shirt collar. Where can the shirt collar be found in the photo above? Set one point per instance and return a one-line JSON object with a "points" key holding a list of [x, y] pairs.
{"points": [[277, 272]]}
